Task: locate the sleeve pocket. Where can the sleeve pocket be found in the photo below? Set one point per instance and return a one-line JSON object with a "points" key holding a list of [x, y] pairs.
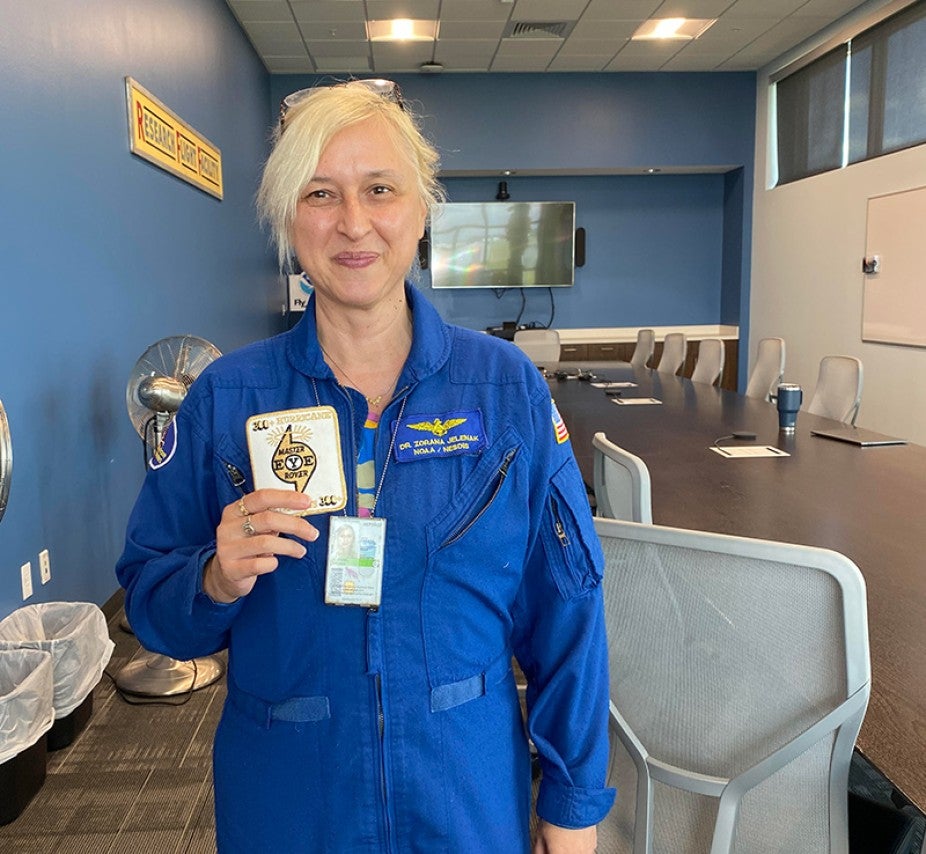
{"points": [[570, 543]]}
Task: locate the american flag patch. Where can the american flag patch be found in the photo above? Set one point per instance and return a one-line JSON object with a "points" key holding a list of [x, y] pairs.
{"points": [[559, 426]]}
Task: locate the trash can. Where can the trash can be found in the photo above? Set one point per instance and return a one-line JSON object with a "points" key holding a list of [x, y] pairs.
{"points": [[76, 635], [26, 716]]}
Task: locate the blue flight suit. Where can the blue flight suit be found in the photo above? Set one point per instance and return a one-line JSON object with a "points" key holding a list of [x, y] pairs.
{"points": [[395, 729]]}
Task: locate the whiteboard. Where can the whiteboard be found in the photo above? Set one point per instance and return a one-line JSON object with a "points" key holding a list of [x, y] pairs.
{"points": [[894, 304]]}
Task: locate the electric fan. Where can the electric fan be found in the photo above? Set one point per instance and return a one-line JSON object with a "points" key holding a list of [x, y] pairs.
{"points": [[156, 388]]}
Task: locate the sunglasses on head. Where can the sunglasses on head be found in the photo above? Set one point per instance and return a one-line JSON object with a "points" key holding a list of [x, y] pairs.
{"points": [[387, 88]]}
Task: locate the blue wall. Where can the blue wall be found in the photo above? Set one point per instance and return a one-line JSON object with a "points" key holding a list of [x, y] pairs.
{"points": [[103, 254], [653, 253], [662, 249]]}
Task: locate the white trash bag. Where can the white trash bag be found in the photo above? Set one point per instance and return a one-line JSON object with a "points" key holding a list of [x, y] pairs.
{"points": [[26, 710], [76, 635]]}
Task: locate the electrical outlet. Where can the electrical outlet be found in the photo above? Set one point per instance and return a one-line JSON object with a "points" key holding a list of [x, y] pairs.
{"points": [[26, 570], [44, 566]]}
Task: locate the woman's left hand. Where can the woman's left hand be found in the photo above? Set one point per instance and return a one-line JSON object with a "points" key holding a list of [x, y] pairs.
{"points": [[552, 839]]}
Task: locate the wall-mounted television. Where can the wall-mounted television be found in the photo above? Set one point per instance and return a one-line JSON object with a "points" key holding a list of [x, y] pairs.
{"points": [[503, 245]]}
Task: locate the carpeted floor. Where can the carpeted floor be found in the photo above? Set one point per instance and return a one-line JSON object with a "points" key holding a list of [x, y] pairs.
{"points": [[138, 778]]}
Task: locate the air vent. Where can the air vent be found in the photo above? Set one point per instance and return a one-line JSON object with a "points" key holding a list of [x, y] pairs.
{"points": [[538, 29]]}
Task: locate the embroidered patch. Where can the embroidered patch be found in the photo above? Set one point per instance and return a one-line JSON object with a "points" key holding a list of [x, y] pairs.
{"points": [[164, 452], [559, 426], [420, 437]]}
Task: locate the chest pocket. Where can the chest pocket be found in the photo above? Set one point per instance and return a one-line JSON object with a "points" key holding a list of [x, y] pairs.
{"points": [[570, 544]]}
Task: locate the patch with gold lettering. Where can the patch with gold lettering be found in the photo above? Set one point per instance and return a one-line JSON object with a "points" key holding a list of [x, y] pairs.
{"points": [[299, 449], [423, 437]]}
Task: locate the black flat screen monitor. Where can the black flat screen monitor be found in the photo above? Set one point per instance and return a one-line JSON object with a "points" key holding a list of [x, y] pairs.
{"points": [[503, 245]]}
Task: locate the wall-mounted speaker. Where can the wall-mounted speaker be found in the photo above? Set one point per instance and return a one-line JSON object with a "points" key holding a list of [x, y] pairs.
{"points": [[424, 250], [580, 247]]}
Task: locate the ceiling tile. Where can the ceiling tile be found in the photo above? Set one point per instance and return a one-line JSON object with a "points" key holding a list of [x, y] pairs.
{"points": [[475, 10], [580, 62], [457, 55], [262, 10], [749, 34], [334, 30], [472, 30], [328, 10], [609, 10], [378, 10], [337, 48]]}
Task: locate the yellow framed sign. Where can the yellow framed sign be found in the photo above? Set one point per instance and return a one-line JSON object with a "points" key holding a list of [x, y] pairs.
{"points": [[161, 137]]}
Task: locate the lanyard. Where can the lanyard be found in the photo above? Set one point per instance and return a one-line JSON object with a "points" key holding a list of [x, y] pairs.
{"points": [[395, 432]]}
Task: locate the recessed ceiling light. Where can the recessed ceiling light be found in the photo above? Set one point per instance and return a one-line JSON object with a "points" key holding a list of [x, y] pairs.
{"points": [[673, 28], [402, 30]]}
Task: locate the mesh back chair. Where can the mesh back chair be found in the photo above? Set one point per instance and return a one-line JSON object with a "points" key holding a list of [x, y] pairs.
{"points": [[540, 345], [621, 482], [739, 680], [643, 352], [674, 350], [709, 366], [768, 370], [839, 389]]}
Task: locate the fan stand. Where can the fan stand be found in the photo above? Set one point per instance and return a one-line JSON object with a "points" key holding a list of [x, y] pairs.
{"points": [[150, 674]]}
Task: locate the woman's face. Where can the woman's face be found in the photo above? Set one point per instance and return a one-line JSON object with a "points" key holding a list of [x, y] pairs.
{"points": [[359, 219]]}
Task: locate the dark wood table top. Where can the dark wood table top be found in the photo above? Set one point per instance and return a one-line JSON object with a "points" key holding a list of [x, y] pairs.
{"points": [[867, 503]]}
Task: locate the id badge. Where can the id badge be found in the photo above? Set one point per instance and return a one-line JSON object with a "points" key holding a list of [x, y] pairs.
{"points": [[299, 449], [354, 572]]}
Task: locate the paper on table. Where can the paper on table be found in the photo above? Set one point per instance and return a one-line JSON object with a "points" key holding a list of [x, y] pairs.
{"points": [[749, 451], [630, 401], [613, 385]]}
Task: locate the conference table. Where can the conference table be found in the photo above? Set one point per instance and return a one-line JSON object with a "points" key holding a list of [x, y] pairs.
{"points": [[867, 503]]}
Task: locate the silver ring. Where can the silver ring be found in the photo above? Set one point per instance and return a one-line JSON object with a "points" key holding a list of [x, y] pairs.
{"points": [[247, 527], [243, 510]]}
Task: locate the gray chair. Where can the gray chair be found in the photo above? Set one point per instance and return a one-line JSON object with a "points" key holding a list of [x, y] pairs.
{"points": [[646, 345], [541, 345], [768, 369], [674, 350], [709, 366], [838, 393], [621, 482], [740, 676]]}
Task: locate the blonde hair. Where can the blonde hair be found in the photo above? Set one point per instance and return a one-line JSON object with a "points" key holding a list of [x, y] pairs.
{"points": [[309, 126]]}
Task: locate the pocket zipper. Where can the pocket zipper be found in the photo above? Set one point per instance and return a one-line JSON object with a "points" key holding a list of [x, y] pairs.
{"points": [[235, 476], [558, 526], [502, 474]]}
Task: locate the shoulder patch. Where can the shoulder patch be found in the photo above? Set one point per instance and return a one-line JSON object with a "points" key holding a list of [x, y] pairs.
{"points": [[559, 426], [164, 452]]}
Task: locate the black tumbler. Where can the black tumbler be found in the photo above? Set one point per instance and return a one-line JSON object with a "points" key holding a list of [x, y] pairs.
{"points": [[789, 397]]}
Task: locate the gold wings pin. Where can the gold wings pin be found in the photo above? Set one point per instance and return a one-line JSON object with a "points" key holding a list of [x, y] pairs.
{"points": [[437, 427]]}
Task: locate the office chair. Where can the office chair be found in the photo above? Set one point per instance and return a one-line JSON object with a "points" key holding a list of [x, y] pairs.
{"points": [[768, 369], [709, 366], [740, 676], [540, 345], [643, 352], [621, 482], [674, 350], [839, 389]]}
